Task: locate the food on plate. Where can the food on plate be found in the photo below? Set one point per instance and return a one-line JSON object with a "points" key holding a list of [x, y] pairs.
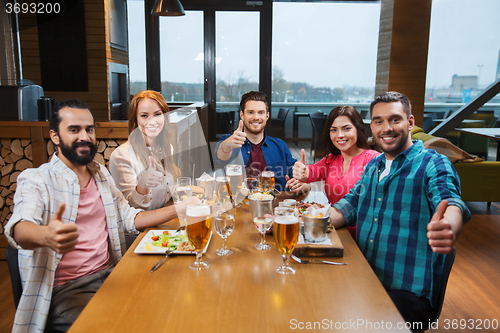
{"points": [[167, 240], [184, 246], [303, 207]]}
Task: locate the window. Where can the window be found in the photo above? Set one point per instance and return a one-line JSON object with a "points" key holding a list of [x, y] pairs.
{"points": [[136, 46]]}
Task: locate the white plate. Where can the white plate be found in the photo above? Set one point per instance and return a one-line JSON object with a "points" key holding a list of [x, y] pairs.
{"points": [[141, 248]]}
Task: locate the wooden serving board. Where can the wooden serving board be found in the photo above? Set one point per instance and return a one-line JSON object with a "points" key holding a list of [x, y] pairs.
{"points": [[321, 250]]}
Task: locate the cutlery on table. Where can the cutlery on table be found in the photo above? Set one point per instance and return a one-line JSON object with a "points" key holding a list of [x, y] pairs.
{"points": [[311, 261], [155, 267]]}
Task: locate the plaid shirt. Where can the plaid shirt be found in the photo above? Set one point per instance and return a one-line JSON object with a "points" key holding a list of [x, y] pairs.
{"points": [[393, 214], [39, 193]]}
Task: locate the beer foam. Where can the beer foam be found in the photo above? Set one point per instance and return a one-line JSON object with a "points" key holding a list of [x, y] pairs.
{"points": [[233, 172], [287, 219], [261, 196], [195, 210], [222, 179]]}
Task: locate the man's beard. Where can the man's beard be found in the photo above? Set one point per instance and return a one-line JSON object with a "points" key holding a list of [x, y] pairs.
{"points": [[70, 152]]}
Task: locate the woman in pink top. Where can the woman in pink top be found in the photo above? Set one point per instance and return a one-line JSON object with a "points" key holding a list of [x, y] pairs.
{"points": [[347, 152]]}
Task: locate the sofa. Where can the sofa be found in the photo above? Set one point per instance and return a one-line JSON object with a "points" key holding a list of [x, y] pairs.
{"points": [[480, 180]]}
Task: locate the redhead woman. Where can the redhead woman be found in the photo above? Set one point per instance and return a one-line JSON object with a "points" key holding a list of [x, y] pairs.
{"points": [[347, 152], [143, 167]]}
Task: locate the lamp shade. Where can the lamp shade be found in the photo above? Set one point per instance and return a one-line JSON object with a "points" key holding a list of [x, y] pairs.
{"points": [[168, 8]]}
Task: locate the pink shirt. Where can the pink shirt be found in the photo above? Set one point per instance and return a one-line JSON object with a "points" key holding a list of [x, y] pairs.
{"points": [[91, 253], [337, 185]]}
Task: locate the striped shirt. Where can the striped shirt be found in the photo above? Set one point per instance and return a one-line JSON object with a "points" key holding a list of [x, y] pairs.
{"points": [[39, 193], [393, 213]]}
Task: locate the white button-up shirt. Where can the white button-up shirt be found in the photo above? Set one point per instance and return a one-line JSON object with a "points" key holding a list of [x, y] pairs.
{"points": [[39, 193]]}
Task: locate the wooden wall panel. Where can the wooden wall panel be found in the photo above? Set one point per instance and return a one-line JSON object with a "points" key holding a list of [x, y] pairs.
{"points": [[402, 51], [99, 53]]}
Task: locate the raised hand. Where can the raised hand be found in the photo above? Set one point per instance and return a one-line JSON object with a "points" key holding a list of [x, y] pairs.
{"points": [[234, 141], [439, 231], [300, 169], [150, 178], [61, 237]]}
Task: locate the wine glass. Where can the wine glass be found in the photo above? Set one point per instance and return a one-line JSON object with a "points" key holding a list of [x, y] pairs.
{"points": [[262, 216], [252, 184], [286, 235], [198, 231], [267, 181], [224, 225]]}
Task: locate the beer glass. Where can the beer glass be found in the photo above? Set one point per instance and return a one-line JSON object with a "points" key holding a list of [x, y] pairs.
{"points": [[224, 225], [183, 188], [286, 235], [267, 181], [183, 191], [223, 192], [208, 187], [198, 231], [262, 217], [235, 174]]}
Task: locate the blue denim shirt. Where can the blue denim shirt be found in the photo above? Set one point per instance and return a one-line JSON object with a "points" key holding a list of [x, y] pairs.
{"points": [[276, 154]]}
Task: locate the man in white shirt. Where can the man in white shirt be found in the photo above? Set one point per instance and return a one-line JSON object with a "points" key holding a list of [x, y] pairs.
{"points": [[68, 224]]}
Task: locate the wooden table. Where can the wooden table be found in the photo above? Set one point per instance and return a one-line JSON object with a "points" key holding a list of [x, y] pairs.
{"points": [[490, 133], [239, 293]]}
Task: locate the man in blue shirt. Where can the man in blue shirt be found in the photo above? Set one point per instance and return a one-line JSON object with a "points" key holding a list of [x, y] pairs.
{"points": [[408, 210], [249, 144]]}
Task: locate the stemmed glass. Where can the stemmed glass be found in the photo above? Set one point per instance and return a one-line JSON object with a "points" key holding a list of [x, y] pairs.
{"points": [[267, 181], [198, 231], [224, 225], [262, 216], [286, 235]]}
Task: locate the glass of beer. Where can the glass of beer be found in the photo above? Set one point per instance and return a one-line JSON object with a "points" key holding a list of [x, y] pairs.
{"points": [[252, 184], [286, 235], [223, 192], [262, 217], [267, 181], [235, 174], [208, 187], [198, 231], [183, 191], [224, 225]]}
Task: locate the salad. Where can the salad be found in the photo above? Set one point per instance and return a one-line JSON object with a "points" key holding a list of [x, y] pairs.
{"points": [[167, 240]]}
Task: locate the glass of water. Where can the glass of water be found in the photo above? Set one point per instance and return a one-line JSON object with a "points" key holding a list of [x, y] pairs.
{"points": [[224, 225]]}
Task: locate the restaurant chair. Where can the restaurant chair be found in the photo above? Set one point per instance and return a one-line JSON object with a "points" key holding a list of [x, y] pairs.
{"points": [[477, 145], [278, 123], [364, 114], [318, 120], [428, 123], [448, 264], [15, 277]]}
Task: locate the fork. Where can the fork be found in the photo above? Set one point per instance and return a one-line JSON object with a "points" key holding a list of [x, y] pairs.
{"points": [[155, 267], [311, 261]]}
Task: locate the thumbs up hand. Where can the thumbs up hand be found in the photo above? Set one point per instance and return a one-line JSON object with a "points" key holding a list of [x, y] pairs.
{"points": [[150, 178], [300, 169], [234, 141], [61, 237], [439, 231]]}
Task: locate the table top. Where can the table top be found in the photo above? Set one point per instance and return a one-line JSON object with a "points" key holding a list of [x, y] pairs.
{"points": [[240, 293], [492, 133]]}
